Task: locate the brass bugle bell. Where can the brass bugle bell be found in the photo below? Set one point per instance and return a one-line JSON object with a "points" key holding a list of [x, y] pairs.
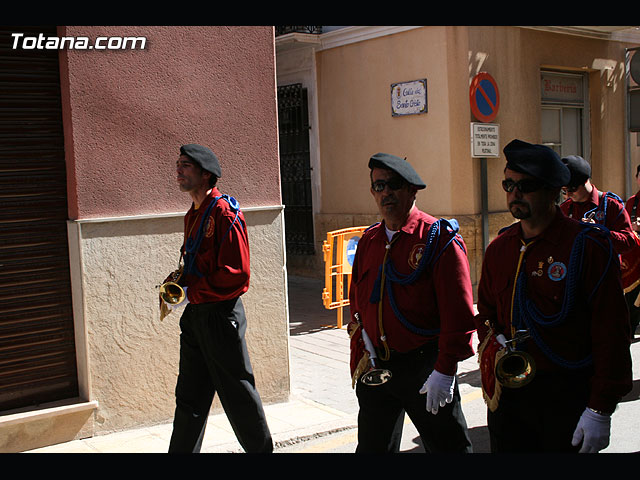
{"points": [[515, 369], [375, 377], [172, 293]]}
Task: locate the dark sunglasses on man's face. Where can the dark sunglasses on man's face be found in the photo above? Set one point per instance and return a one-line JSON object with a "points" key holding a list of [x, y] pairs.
{"points": [[525, 185], [395, 183]]}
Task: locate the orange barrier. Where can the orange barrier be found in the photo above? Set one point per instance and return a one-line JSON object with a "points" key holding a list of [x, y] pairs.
{"points": [[339, 251]]}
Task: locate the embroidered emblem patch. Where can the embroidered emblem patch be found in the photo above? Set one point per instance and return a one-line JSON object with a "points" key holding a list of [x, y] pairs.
{"points": [[209, 231], [599, 215], [557, 271], [416, 254]]}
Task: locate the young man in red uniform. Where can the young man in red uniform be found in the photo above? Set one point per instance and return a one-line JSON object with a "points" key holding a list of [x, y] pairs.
{"points": [[411, 296], [630, 261], [558, 281], [586, 203], [213, 352]]}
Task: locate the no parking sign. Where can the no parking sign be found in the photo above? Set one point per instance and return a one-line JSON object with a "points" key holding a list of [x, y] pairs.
{"points": [[350, 253], [484, 97]]}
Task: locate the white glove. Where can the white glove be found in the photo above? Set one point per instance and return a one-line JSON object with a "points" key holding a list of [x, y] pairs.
{"points": [[439, 390], [368, 345], [502, 340], [593, 431]]}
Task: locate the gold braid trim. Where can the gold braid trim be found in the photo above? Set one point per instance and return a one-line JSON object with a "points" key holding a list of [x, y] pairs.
{"points": [[632, 287], [387, 354]]}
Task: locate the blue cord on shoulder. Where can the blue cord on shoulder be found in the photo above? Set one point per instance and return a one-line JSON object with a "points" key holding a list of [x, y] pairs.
{"points": [[527, 315], [193, 244]]}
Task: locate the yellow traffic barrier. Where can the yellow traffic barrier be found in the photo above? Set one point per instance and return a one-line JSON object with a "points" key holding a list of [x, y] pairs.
{"points": [[339, 251]]}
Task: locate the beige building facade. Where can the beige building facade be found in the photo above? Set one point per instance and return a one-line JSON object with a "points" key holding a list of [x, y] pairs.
{"points": [[565, 87]]}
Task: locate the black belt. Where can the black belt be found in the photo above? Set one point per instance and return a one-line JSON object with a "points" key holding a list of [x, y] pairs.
{"points": [[208, 306], [402, 356]]}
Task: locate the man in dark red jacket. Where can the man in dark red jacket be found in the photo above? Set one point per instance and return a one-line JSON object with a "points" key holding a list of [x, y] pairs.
{"points": [[554, 283], [630, 261], [586, 203], [213, 354], [411, 297]]}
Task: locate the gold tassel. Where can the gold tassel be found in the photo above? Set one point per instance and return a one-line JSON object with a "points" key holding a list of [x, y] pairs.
{"points": [[164, 310], [363, 366]]}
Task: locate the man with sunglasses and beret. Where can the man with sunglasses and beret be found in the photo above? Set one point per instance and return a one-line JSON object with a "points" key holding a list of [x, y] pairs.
{"points": [[411, 305], [585, 203], [550, 295], [215, 273]]}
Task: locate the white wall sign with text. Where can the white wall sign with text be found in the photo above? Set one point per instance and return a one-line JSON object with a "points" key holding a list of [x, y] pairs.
{"points": [[485, 140]]}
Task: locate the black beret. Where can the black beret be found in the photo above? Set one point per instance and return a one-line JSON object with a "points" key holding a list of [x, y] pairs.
{"points": [[398, 165], [539, 161], [579, 168], [203, 156]]}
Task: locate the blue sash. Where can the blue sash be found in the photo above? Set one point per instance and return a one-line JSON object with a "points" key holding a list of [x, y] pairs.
{"points": [[192, 245], [527, 316]]}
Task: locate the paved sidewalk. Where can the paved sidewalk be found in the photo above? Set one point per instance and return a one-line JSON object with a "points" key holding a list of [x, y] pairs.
{"points": [[291, 422]]}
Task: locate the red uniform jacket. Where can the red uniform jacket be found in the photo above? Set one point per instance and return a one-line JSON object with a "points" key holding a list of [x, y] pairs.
{"points": [[630, 204], [441, 297], [598, 323], [616, 218], [222, 259], [630, 261]]}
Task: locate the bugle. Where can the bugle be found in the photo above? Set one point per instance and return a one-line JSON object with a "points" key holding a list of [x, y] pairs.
{"points": [[374, 376], [171, 292], [515, 368]]}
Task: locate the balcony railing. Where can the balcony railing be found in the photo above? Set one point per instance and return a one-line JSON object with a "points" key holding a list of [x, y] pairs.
{"points": [[280, 30]]}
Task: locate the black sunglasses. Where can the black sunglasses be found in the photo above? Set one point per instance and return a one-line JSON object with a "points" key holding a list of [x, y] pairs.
{"points": [[525, 185], [396, 183]]}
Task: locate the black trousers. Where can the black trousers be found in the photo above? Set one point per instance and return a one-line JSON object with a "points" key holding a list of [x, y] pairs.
{"points": [[634, 312], [382, 408], [539, 417], [214, 358]]}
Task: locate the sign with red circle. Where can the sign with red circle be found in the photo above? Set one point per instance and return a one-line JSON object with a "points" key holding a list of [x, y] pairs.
{"points": [[484, 97]]}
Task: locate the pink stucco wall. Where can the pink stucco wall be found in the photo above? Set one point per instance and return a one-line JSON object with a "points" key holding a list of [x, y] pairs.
{"points": [[126, 112]]}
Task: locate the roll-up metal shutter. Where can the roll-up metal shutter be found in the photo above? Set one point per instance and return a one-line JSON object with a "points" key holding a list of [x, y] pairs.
{"points": [[37, 348]]}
